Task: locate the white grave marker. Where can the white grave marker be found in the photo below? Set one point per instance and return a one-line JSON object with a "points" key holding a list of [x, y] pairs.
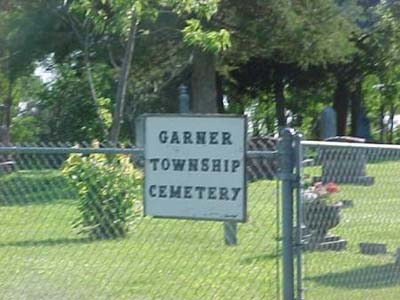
{"points": [[195, 167]]}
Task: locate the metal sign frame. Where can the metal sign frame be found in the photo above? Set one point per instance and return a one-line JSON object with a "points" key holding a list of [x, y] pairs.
{"points": [[213, 215]]}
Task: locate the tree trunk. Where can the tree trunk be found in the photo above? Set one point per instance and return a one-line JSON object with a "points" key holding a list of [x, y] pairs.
{"points": [[391, 123], [123, 83], [8, 105], [356, 100], [340, 104], [89, 74], [92, 87], [204, 90], [204, 94], [382, 122], [84, 40], [220, 96], [279, 96]]}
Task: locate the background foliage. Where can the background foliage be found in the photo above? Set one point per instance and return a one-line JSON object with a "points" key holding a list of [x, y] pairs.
{"points": [[87, 69]]}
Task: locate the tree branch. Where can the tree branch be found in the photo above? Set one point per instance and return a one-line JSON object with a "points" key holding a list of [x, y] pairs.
{"points": [[123, 81]]}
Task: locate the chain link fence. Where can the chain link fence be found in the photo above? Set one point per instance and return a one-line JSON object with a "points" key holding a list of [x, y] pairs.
{"points": [[351, 216], [72, 228]]}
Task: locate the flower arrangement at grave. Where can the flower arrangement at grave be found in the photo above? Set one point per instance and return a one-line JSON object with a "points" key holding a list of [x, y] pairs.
{"points": [[320, 193], [320, 211]]}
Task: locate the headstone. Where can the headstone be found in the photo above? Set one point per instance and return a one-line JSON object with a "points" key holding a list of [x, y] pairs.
{"points": [[329, 243], [327, 123], [344, 164], [373, 248], [363, 127]]}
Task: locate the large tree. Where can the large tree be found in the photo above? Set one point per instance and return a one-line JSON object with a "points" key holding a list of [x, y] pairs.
{"points": [[131, 56], [275, 41]]}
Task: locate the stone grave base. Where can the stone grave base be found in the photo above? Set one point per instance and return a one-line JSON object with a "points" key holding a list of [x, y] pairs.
{"points": [[359, 180], [7, 166], [373, 248], [329, 242]]}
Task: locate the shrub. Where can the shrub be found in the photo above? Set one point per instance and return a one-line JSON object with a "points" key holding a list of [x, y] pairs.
{"points": [[108, 187]]}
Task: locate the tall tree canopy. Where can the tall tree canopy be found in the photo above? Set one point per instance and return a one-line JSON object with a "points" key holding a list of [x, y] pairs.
{"points": [[276, 60]]}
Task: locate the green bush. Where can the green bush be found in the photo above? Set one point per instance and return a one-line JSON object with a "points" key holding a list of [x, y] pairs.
{"points": [[108, 188]]}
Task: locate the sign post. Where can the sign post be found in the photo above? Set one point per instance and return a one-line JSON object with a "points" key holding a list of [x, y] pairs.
{"points": [[195, 167]]}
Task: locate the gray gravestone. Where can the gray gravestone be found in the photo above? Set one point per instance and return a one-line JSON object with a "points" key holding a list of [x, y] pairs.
{"points": [[344, 164], [327, 123], [363, 128]]}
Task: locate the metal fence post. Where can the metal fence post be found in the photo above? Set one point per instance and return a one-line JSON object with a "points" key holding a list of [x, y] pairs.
{"points": [[299, 155], [287, 163], [230, 233]]}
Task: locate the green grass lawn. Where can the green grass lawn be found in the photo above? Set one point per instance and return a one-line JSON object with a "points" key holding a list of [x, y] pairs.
{"points": [[42, 257], [374, 218]]}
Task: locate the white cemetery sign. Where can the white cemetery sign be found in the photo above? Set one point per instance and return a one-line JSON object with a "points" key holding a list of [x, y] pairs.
{"points": [[195, 167]]}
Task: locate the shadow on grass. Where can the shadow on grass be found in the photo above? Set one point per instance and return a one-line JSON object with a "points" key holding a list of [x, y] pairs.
{"points": [[372, 277], [45, 243], [259, 258], [34, 187]]}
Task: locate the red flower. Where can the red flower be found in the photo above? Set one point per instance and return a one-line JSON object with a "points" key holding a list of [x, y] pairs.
{"points": [[331, 188]]}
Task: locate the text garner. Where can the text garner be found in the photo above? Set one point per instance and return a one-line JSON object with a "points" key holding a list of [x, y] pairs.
{"points": [[195, 137]]}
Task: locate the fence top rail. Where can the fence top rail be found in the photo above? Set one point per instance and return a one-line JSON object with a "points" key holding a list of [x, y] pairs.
{"points": [[261, 154], [69, 150], [140, 151], [128, 151], [350, 145]]}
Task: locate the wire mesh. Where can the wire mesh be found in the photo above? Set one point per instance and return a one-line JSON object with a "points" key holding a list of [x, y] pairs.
{"points": [[73, 228], [351, 208]]}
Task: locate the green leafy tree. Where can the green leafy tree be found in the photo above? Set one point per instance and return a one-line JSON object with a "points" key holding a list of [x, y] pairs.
{"points": [[23, 34], [276, 44], [67, 107]]}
